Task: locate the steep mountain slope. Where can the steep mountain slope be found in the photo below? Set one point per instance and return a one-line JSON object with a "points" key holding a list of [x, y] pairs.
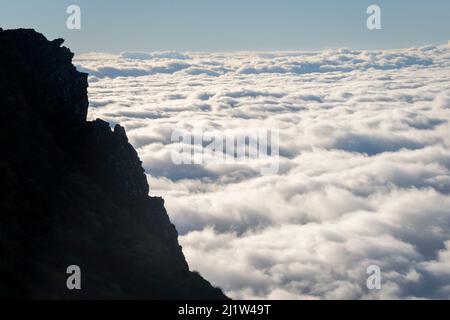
{"points": [[73, 192]]}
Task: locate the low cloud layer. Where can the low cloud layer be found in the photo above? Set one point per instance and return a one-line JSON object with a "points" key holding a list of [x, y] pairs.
{"points": [[364, 174]]}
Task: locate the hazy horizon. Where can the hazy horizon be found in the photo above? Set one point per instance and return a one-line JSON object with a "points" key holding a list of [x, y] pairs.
{"points": [[211, 25]]}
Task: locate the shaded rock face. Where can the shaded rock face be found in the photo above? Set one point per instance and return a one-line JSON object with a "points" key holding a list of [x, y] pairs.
{"points": [[73, 192], [108, 157]]}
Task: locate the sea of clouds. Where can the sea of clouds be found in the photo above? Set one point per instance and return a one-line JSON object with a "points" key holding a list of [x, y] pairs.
{"points": [[364, 168]]}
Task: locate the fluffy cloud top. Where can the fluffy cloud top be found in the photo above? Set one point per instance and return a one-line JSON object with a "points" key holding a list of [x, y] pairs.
{"points": [[364, 165]]}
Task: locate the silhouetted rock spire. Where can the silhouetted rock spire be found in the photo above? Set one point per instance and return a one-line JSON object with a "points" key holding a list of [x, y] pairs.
{"points": [[74, 192]]}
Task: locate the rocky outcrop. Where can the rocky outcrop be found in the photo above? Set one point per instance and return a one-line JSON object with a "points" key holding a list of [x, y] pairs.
{"points": [[73, 192], [109, 158]]}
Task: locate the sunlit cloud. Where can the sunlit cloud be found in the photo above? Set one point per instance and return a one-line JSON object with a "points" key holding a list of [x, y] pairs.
{"points": [[364, 173]]}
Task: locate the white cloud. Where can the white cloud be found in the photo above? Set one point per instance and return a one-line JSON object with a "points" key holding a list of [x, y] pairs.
{"points": [[364, 169]]}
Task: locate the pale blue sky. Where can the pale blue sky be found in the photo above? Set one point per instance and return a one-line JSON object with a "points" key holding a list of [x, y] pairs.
{"points": [[225, 25]]}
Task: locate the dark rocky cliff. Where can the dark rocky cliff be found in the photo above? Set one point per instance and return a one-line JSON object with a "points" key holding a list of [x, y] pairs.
{"points": [[73, 192]]}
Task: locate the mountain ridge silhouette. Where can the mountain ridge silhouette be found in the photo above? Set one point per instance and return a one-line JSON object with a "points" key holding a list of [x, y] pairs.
{"points": [[74, 191]]}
